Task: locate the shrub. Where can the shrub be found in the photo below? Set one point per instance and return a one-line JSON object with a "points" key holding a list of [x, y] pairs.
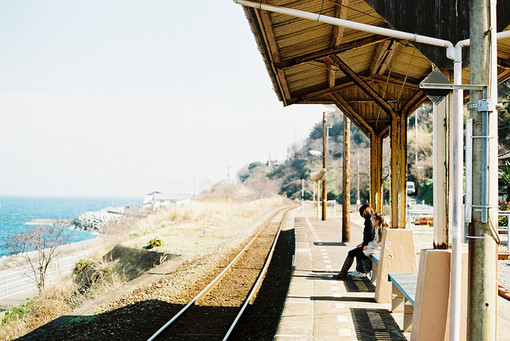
{"points": [[503, 219], [15, 313], [154, 242], [81, 265]]}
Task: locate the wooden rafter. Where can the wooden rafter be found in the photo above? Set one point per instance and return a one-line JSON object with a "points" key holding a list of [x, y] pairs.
{"points": [[353, 115], [414, 103], [267, 26], [504, 63], [338, 31], [378, 78], [336, 39], [364, 86], [382, 57], [503, 76], [327, 52]]}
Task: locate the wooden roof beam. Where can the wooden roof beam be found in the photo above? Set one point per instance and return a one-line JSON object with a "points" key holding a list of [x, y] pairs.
{"points": [[274, 51], [382, 57], [353, 115], [338, 31], [364, 86], [503, 63], [414, 103], [327, 52], [336, 39]]}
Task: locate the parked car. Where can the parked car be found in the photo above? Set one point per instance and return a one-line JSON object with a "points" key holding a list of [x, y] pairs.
{"points": [[410, 187]]}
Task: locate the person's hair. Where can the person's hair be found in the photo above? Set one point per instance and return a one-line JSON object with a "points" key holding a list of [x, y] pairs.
{"points": [[366, 211], [382, 224]]}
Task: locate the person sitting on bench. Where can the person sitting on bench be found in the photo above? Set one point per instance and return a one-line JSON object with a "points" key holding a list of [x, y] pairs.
{"points": [[363, 263], [379, 225]]}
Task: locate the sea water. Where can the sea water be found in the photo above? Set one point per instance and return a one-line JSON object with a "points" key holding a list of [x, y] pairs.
{"points": [[17, 212]]}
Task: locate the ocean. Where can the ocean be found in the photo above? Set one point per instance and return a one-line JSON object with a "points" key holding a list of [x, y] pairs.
{"points": [[17, 212]]}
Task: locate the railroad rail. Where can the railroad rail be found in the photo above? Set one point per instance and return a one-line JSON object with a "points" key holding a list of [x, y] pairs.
{"points": [[230, 292]]}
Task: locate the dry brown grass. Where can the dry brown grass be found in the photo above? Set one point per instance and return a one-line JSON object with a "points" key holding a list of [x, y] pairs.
{"points": [[208, 222]]}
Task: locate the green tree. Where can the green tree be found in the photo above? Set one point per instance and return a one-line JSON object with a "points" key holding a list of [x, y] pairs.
{"points": [[504, 118]]}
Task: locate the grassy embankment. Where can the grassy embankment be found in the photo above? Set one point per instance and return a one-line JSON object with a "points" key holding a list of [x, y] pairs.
{"points": [[189, 230]]}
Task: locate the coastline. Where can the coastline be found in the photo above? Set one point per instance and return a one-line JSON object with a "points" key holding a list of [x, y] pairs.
{"points": [[66, 222]]}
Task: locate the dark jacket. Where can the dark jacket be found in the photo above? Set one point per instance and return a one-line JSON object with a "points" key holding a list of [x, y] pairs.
{"points": [[368, 232]]}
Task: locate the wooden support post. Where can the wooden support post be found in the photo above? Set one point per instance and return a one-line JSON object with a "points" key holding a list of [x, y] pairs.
{"points": [[346, 196], [324, 166], [376, 167], [398, 171]]}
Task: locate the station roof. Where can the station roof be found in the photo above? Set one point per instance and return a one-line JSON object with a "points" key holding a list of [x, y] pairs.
{"points": [[366, 75]]}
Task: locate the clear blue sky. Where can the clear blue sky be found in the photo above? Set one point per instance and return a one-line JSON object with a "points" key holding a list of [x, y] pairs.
{"points": [[127, 97]]}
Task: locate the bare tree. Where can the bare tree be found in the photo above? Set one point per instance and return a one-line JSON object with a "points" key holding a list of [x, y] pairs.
{"points": [[38, 247]]}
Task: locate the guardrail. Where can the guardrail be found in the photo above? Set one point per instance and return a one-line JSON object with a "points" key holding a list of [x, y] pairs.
{"points": [[21, 280], [418, 212], [429, 212], [507, 229]]}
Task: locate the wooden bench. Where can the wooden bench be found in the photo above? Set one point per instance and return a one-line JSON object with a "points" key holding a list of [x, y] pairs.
{"points": [[424, 221], [403, 296], [375, 264]]}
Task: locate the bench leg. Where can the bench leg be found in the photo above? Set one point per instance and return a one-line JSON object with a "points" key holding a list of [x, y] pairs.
{"points": [[408, 316], [397, 300], [374, 271]]}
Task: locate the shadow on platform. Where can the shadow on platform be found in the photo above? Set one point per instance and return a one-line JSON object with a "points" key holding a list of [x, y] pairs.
{"points": [[375, 324], [359, 285], [329, 244]]}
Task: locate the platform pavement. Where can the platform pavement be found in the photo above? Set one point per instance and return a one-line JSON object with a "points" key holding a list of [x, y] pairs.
{"points": [[319, 307]]}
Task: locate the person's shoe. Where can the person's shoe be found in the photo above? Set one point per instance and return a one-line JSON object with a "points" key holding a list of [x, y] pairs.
{"points": [[340, 276], [357, 274]]}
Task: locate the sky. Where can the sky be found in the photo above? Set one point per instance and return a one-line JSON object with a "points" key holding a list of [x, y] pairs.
{"points": [[128, 97]]}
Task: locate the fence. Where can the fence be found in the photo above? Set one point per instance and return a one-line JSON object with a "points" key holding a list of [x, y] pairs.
{"points": [[21, 280], [419, 210]]}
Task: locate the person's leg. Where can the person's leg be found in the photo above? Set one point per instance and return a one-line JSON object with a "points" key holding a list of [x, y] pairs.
{"points": [[345, 268], [348, 263]]}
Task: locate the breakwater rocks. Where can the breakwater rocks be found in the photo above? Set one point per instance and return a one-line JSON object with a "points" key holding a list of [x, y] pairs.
{"points": [[98, 221]]}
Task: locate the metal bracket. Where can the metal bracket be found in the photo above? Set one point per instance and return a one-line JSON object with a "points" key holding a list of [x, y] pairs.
{"points": [[484, 105], [443, 86]]}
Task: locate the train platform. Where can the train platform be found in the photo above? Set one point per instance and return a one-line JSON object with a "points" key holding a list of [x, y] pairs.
{"points": [[318, 307]]}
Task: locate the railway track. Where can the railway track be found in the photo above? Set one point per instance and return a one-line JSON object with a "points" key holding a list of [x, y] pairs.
{"points": [[215, 311]]}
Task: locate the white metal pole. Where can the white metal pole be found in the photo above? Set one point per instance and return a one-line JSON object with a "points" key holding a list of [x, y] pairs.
{"points": [[456, 189]]}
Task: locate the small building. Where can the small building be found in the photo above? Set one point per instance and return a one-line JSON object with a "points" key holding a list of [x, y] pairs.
{"points": [[157, 199]]}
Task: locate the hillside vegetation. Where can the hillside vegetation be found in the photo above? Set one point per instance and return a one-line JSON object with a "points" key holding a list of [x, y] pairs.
{"points": [[285, 177]]}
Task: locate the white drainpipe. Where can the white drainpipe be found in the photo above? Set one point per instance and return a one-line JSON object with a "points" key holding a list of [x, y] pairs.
{"points": [[353, 25], [454, 53], [456, 189]]}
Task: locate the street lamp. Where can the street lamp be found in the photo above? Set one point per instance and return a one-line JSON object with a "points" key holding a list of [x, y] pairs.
{"points": [[317, 153]]}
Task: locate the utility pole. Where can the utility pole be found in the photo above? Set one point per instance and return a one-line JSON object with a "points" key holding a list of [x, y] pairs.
{"points": [[482, 274], [358, 201], [346, 196], [324, 151]]}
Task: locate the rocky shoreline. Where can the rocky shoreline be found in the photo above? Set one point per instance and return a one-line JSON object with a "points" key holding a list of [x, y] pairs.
{"points": [[92, 221]]}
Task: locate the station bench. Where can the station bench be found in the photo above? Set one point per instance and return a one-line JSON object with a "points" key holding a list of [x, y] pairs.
{"points": [[403, 296]]}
